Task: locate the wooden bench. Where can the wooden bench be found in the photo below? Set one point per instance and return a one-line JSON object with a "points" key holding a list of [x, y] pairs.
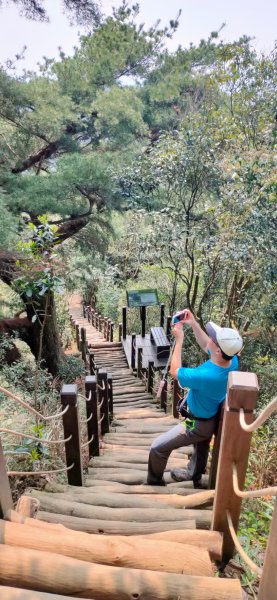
{"points": [[159, 340]]}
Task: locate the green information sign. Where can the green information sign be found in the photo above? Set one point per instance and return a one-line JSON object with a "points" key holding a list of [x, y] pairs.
{"points": [[136, 298]]}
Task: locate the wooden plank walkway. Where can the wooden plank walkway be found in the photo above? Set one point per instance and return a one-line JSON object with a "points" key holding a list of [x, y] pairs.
{"points": [[156, 542], [149, 352]]}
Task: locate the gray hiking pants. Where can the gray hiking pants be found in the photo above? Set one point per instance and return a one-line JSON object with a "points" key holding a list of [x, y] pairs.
{"points": [[177, 437]]}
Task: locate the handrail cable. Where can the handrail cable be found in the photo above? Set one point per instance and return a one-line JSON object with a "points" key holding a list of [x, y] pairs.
{"points": [[32, 437], [269, 491], [267, 412], [12, 473], [239, 548], [88, 442], [30, 409]]}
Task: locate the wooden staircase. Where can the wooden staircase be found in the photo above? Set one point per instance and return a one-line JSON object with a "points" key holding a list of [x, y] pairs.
{"points": [[156, 542]]}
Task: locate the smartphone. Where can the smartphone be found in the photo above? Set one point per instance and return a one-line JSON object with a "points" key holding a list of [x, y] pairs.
{"points": [[180, 316]]}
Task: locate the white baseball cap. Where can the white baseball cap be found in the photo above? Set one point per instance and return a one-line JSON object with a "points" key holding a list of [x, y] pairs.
{"points": [[228, 340]]}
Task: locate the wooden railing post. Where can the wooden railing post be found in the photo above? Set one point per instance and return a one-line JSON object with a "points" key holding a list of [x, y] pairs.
{"points": [[175, 398], [91, 362], [111, 331], [6, 502], [268, 583], [119, 332], [133, 351], [106, 328], [110, 395], [215, 452], [168, 325], [150, 377], [139, 369], [92, 409], [162, 316], [77, 330], [71, 426], [103, 400], [164, 397], [83, 344], [89, 313], [124, 322], [143, 320], [235, 444]]}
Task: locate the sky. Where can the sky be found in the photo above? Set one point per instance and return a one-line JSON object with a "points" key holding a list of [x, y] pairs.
{"points": [[255, 18]]}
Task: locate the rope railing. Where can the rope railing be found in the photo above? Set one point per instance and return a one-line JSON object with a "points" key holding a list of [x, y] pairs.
{"points": [[263, 416], [269, 491], [88, 419], [30, 408], [239, 548], [35, 473], [88, 442], [32, 437], [86, 399]]}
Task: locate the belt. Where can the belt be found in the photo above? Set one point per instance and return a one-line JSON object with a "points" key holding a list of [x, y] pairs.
{"points": [[189, 415]]}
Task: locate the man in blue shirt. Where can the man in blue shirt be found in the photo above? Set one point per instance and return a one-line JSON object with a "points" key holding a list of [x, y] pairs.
{"points": [[207, 390]]}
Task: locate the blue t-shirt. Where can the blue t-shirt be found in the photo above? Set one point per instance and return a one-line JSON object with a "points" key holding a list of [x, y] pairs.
{"points": [[208, 386]]}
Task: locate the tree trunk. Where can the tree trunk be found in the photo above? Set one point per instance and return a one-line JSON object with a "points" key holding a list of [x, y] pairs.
{"points": [[43, 336]]}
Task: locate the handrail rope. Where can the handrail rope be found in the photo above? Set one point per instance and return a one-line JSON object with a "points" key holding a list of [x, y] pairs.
{"points": [[30, 409], [100, 420], [87, 443], [239, 548], [101, 387], [87, 420], [87, 399], [99, 405], [269, 491], [32, 437], [263, 416], [12, 473]]}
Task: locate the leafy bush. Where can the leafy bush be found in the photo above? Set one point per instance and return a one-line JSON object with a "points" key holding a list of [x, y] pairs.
{"points": [[71, 368]]}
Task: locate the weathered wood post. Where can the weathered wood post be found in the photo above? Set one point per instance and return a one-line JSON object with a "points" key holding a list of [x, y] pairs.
{"points": [[143, 320], [139, 369], [268, 584], [168, 325], [83, 344], [133, 351], [215, 453], [91, 362], [162, 316], [242, 392], [103, 400], [119, 331], [164, 397], [124, 322], [84, 310], [71, 426], [89, 313], [110, 395], [111, 331], [6, 502], [77, 331], [150, 377], [92, 409], [106, 328], [175, 398]]}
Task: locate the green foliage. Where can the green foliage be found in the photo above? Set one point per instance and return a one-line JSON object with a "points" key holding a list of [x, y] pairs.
{"points": [[71, 368], [37, 277]]}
